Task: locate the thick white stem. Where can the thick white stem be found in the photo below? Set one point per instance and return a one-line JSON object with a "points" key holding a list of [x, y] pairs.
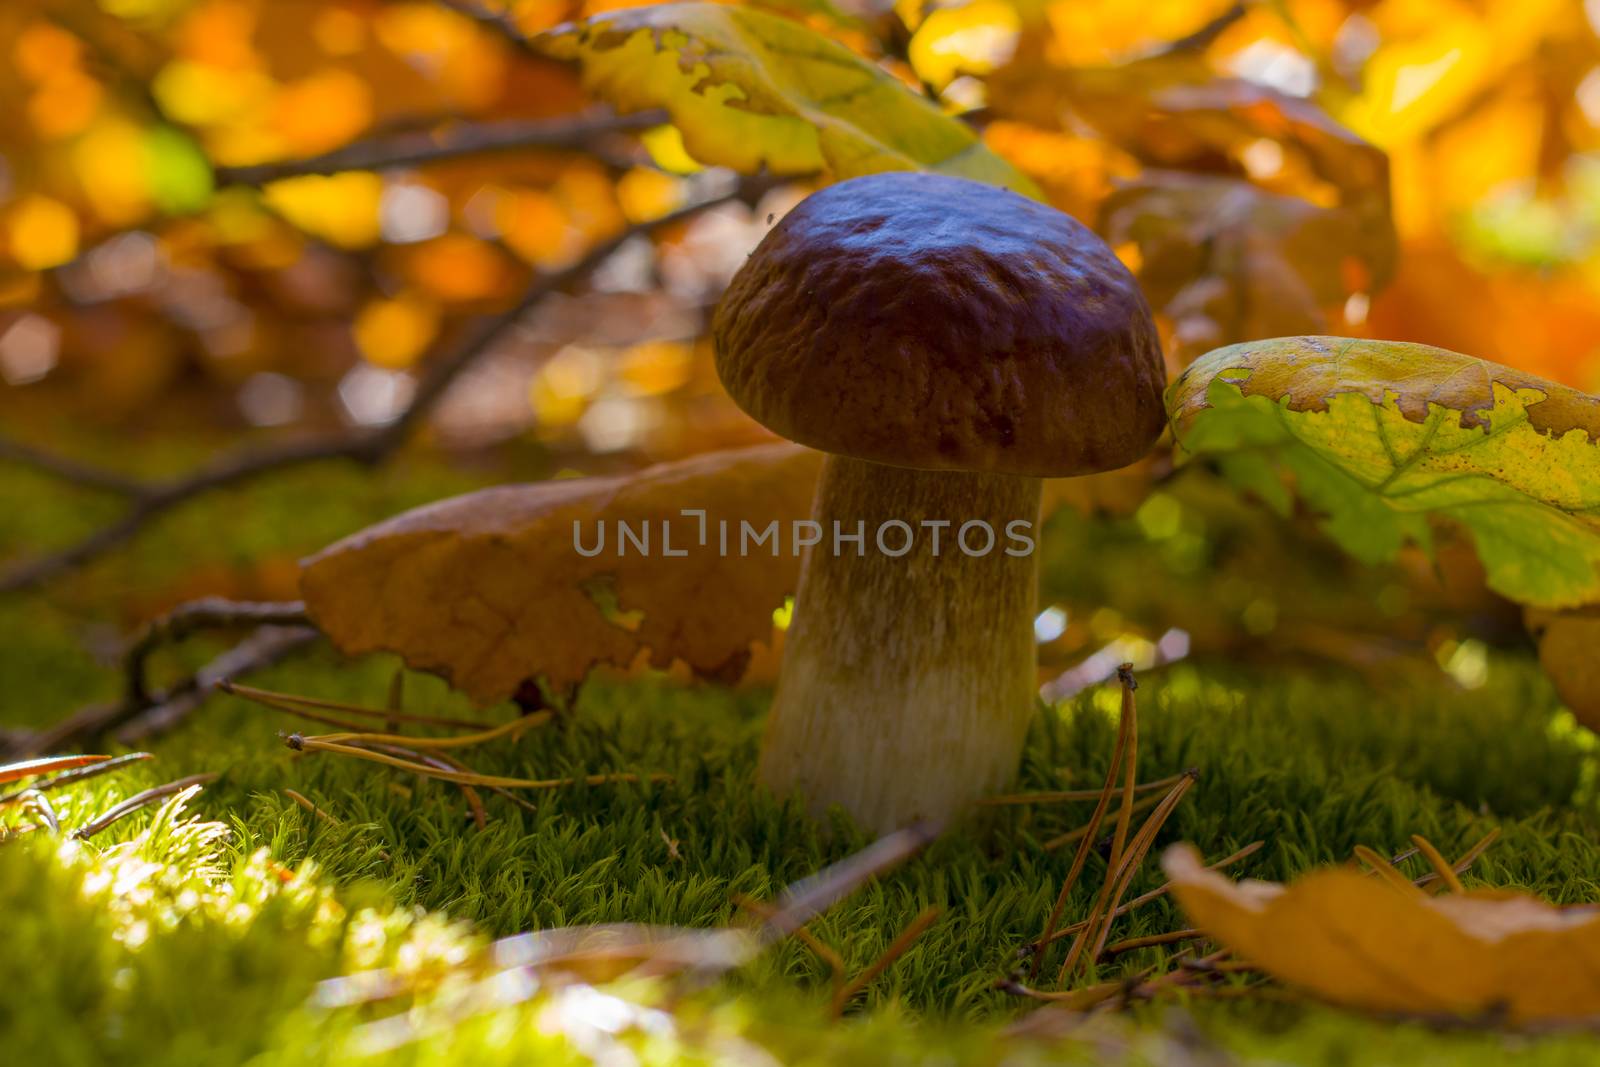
{"points": [[908, 681]]}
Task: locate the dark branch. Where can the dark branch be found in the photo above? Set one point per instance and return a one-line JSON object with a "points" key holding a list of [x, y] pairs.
{"points": [[265, 647], [365, 446], [71, 470], [190, 618], [580, 133]]}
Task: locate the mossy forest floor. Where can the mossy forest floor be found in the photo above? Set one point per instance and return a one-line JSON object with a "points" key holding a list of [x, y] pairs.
{"points": [[200, 937]]}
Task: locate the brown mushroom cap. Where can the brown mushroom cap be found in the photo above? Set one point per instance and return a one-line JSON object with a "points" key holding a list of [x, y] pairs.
{"points": [[938, 323]]}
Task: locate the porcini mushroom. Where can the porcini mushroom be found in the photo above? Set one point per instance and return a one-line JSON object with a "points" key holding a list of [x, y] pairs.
{"points": [[947, 344]]}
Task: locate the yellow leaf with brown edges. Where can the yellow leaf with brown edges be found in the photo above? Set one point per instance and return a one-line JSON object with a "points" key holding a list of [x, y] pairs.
{"points": [[1365, 943], [751, 90], [489, 589]]}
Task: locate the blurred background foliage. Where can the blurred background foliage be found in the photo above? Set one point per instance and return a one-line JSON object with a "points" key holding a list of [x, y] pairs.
{"points": [[243, 220]]}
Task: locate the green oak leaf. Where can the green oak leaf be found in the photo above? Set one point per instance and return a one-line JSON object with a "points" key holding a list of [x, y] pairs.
{"points": [[1383, 438], [750, 89]]}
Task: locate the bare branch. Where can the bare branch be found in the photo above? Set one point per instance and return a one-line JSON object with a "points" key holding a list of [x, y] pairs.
{"points": [[365, 446], [579, 133], [265, 647], [71, 470], [196, 615]]}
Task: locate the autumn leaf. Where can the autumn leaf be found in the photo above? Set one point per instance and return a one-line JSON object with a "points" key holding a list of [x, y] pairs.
{"points": [[750, 89], [1567, 644], [1371, 943], [1383, 438], [1254, 212], [489, 589], [1226, 260]]}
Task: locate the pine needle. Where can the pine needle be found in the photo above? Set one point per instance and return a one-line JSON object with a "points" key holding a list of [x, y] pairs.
{"points": [[897, 948], [299, 743]]}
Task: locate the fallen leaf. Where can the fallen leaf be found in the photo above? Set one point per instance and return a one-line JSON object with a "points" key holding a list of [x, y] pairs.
{"points": [[1567, 651], [1255, 212], [1384, 438], [1226, 260], [1367, 943], [749, 89], [489, 589]]}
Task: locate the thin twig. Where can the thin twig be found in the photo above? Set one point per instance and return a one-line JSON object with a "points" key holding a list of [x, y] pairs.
{"points": [[71, 470], [140, 800], [260, 650], [448, 142], [194, 616], [897, 948], [369, 447], [139, 722]]}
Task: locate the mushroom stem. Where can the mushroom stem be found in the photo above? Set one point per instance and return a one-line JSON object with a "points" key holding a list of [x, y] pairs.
{"points": [[908, 680]]}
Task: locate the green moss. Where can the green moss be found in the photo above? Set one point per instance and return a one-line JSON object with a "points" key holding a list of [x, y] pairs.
{"points": [[1311, 766], [160, 942]]}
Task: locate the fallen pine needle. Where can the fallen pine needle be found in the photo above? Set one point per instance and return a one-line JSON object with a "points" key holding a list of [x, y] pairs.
{"points": [[1440, 865], [1088, 829], [1065, 795], [1103, 913], [299, 743], [1383, 868], [305, 802], [1155, 894], [1149, 941], [897, 948], [141, 800], [510, 729], [1124, 729], [280, 700], [803, 934], [1130, 762], [1079, 999]]}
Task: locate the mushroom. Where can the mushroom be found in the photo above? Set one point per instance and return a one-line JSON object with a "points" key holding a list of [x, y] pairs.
{"points": [[948, 344]]}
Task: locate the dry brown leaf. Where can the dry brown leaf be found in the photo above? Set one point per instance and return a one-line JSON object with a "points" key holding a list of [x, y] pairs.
{"points": [[1226, 260], [1223, 256], [489, 590], [1364, 943]]}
